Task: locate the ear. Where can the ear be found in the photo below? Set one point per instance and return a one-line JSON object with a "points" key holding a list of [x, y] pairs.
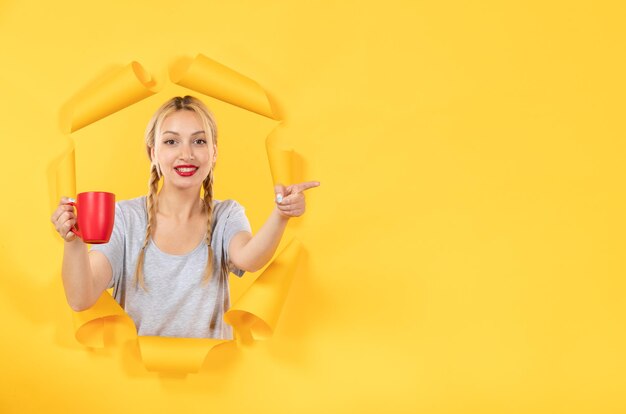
{"points": [[151, 153]]}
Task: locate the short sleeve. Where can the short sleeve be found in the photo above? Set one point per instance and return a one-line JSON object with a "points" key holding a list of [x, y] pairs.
{"points": [[114, 249], [236, 221]]}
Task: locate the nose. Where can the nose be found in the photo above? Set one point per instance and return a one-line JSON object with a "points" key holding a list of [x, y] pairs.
{"points": [[186, 152]]}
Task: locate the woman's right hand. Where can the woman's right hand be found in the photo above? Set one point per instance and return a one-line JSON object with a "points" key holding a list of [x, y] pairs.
{"points": [[64, 219]]}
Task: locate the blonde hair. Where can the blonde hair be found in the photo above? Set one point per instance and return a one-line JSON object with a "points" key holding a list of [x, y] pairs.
{"points": [[186, 103]]}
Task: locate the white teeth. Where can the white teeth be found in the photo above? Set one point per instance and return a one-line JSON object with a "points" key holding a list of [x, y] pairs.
{"points": [[186, 170]]}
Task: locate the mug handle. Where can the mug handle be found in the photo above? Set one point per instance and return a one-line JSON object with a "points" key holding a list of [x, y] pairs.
{"points": [[74, 229]]}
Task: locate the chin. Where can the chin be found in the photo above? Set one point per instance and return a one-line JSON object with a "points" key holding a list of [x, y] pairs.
{"points": [[186, 186], [184, 183]]}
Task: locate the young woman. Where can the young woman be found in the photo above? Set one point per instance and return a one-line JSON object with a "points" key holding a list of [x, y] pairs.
{"points": [[171, 251]]}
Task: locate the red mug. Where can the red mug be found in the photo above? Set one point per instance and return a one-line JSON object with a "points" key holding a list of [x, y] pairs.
{"points": [[95, 212]]}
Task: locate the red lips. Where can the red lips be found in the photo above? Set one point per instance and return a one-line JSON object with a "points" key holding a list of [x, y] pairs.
{"points": [[186, 170]]}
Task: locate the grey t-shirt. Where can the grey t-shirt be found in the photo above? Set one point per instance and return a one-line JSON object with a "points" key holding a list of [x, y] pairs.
{"points": [[176, 303]]}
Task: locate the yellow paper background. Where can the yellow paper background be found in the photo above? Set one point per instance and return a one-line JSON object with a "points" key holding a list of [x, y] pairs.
{"points": [[464, 252]]}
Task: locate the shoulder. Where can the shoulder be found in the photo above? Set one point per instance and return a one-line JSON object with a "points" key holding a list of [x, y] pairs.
{"points": [[131, 210], [229, 217], [225, 207], [133, 205]]}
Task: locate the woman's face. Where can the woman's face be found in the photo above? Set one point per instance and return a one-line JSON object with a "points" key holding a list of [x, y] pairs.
{"points": [[184, 150]]}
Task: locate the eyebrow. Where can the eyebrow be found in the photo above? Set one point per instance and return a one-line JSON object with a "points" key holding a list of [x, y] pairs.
{"points": [[176, 133]]}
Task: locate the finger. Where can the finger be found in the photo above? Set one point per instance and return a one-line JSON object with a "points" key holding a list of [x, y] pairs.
{"points": [[297, 188], [286, 208], [70, 235], [63, 206], [60, 210], [66, 200], [292, 212], [66, 229], [64, 218], [279, 192], [58, 221], [68, 215], [293, 199], [291, 208], [67, 226]]}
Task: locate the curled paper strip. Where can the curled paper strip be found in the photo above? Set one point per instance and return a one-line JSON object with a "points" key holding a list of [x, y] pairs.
{"points": [[281, 159], [89, 325], [175, 355], [62, 176], [254, 316], [211, 78], [117, 91], [256, 313]]}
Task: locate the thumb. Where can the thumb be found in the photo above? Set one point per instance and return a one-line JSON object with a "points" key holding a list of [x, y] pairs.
{"points": [[279, 190]]}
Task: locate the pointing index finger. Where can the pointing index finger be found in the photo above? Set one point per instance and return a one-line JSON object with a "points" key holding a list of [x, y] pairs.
{"points": [[297, 188]]}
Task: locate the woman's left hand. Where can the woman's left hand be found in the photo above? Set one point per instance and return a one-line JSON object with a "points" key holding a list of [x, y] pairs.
{"points": [[290, 200]]}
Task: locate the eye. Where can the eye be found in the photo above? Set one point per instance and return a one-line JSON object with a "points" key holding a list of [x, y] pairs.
{"points": [[200, 141], [169, 142]]}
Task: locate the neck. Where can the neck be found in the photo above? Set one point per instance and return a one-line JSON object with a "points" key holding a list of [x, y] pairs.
{"points": [[181, 204]]}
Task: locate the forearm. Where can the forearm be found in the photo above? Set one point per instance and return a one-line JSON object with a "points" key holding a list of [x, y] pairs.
{"points": [[262, 246], [77, 276]]}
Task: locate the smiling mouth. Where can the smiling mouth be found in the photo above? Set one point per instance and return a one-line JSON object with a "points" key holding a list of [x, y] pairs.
{"points": [[186, 170]]}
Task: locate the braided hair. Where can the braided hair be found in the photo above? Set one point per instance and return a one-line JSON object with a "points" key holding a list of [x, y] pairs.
{"points": [[186, 103]]}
